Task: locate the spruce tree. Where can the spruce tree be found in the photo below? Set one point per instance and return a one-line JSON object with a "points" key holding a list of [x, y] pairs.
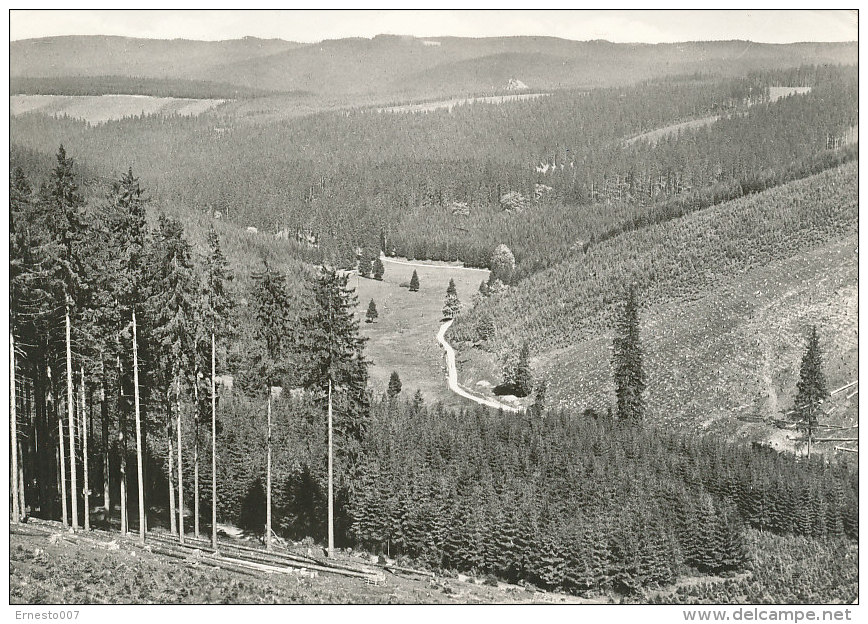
{"points": [[379, 269], [394, 385], [414, 282], [272, 308], [365, 261], [173, 305], [627, 360], [812, 390], [61, 206], [129, 230], [372, 313], [334, 353], [522, 380], [452, 306], [272, 313], [218, 306]]}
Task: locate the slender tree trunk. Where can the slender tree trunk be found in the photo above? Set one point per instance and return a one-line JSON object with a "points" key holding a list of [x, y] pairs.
{"points": [[122, 450], [213, 445], [22, 505], [70, 410], [62, 469], [106, 444], [196, 456], [139, 473], [29, 450], [173, 527], [180, 466], [268, 480], [331, 552], [84, 455], [13, 426], [45, 449]]}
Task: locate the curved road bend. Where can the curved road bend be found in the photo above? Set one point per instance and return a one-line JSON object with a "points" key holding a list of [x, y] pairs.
{"points": [[452, 374]]}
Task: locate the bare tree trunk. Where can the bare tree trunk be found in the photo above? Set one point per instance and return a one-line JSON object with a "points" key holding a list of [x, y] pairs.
{"points": [[268, 480], [30, 448], [180, 466], [173, 527], [62, 469], [196, 456], [331, 552], [22, 504], [13, 426], [106, 469], [70, 410], [122, 450], [84, 455], [213, 445], [142, 526]]}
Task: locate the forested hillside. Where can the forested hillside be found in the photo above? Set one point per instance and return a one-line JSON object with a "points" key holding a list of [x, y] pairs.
{"points": [[727, 294], [454, 184]]}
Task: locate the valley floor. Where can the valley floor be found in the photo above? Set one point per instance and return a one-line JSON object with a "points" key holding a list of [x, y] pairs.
{"points": [[404, 336]]}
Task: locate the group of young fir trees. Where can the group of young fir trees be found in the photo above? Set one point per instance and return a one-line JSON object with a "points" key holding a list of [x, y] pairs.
{"points": [[94, 291]]}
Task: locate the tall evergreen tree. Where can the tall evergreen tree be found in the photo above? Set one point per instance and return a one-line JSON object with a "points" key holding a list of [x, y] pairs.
{"points": [[394, 385], [523, 377], [414, 282], [452, 306], [379, 269], [627, 360], [174, 308], [218, 306], [338, 372], [61, 207], [812, 390], [128, 227], [365, 262], [272, 311], [334, 351]]}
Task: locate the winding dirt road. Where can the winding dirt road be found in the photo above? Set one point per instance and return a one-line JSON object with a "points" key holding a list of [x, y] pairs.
{"points": [[452, 374]]}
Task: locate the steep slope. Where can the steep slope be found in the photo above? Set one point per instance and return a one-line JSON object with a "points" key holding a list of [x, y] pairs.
{"points": [[728, 295]]}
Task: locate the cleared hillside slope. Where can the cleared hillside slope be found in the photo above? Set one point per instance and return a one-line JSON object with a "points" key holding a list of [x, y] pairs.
{"points": [[728, 294]]}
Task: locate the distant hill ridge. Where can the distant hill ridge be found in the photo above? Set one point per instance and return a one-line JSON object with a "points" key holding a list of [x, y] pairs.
{"points": [[400, 65]]}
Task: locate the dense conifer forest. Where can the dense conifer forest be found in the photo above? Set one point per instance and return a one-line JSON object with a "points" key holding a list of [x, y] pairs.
{"points": [[161, 349], [452, 184]]}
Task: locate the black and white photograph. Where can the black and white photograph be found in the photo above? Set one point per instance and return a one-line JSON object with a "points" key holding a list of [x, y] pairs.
{"points": [[429, 307]]}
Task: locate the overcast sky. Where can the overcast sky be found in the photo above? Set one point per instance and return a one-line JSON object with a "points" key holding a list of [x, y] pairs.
{"points": [[309, 26]]}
